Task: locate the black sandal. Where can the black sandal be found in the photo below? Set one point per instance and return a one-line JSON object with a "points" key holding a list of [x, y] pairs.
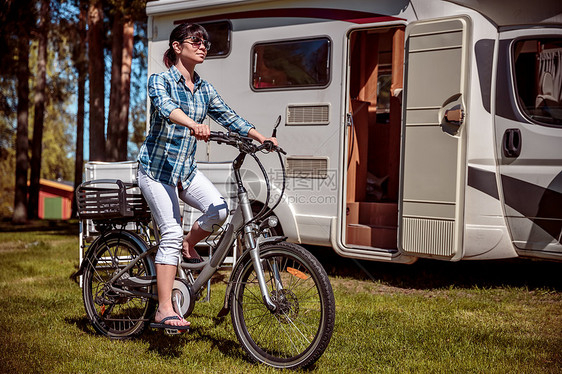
{"points": [[170, 329]]}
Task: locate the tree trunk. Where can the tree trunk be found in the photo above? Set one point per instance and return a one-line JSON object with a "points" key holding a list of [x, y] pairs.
{"points": [[22, 141], [125, 95], [82, 74], [96, 70], [39, 103], [113, 124]]}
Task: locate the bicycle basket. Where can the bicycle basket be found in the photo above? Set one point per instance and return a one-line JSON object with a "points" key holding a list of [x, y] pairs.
{"points": [[109, 199]]}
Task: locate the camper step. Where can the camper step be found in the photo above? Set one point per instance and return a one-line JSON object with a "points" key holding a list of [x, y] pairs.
{"points": [[376, 214], [372, 236]]}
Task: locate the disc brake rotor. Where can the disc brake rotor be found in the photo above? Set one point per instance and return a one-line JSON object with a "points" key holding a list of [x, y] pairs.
{"points": [[287, 305]]}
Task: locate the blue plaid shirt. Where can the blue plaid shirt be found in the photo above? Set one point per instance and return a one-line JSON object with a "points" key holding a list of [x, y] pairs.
{"points": [[167, 154]]}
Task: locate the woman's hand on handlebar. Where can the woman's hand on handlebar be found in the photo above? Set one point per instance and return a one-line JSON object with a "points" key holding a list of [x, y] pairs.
{"points": [[272, 140], [254, 134], [270, 144], [200, 131]]}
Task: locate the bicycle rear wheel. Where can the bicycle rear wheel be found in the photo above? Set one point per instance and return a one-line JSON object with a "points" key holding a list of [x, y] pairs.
{"points": [[111, 313], [299, 330]]}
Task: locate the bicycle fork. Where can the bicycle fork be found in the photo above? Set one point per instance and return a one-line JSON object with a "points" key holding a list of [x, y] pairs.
{"points": [[254, 246]]}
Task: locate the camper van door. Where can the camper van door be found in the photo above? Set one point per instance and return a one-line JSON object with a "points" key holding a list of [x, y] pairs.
{"points": [[528, 125], [434, 138]]}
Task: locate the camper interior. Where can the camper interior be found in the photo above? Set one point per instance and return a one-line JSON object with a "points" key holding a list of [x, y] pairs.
{"points": [[373, 157]]}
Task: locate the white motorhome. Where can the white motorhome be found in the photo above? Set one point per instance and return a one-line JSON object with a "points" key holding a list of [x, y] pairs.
{"points": [[413, 128]]}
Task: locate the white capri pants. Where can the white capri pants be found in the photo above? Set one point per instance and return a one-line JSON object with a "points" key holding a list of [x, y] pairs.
{"points": [[163, 202]]}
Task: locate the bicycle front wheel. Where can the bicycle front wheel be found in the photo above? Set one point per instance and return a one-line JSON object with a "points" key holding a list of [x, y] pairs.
{"points": [[298, 331], [112, 313]]}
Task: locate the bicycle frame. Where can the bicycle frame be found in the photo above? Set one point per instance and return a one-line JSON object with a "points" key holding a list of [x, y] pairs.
{"points": [[241, 221]]}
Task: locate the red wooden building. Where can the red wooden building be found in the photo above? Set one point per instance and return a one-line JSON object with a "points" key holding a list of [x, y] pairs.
{"points": [[55, 199]]}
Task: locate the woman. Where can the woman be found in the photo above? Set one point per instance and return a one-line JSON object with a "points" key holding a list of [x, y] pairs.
{"points": [[180, 100]]}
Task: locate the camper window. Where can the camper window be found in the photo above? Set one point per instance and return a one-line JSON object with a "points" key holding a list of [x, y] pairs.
{"points": [[291, 64], [538, 77], [219, 36]]}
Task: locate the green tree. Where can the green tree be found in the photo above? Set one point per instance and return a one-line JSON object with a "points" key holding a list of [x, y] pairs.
{"points": [[125, 15], [44, 82], [19, 33], [77, 32], [66, 68], [8, 108], [96, 76], [21, 13], [7, 150], [39, 104]]}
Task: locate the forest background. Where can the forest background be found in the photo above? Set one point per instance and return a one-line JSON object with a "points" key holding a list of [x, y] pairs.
{"points": [[70, 70]]}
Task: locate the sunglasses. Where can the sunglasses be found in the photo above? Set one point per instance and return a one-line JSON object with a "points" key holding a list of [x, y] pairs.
{"points": [[197, 42]]}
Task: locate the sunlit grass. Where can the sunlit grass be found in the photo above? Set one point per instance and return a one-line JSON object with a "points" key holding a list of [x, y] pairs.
{"points": [[380, 327]]}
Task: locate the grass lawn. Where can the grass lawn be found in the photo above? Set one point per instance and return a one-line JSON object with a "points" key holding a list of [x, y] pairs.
{"points": [[430, 317]]}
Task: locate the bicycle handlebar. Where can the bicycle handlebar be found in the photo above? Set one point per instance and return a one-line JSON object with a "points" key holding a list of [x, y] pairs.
{"points": [[243, 143], [246, 146]]}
